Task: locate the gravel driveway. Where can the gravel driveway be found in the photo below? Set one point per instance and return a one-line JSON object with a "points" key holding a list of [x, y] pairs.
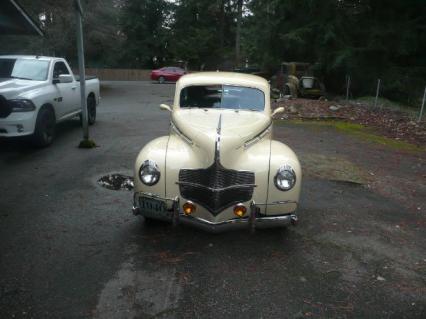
{"points": [[71, 249]]}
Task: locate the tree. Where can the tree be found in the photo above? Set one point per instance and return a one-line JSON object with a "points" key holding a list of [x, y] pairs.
{"points": [[144, 26]]}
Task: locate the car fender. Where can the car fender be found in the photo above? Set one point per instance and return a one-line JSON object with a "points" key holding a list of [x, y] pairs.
{"points": [[281, 202], [155, 151]]}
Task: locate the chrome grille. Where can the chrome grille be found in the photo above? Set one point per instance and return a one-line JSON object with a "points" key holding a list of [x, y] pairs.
{"points": [[216, 188]]}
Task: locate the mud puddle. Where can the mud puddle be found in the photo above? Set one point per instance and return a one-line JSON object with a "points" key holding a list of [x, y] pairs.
{"points": [[116, 182]]}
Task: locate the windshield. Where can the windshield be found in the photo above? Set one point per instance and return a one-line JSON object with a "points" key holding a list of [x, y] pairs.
{"points": [[222, 96], [27, 69]]}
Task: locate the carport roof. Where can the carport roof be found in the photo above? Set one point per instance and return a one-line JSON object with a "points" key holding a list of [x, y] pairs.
{"points": [[15, 21]]}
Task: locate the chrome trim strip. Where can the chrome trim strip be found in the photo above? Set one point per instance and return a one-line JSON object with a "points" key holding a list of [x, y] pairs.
{"points": [[217, 143], [217, 189], [180, 134], [258, 137], [279, 202]]}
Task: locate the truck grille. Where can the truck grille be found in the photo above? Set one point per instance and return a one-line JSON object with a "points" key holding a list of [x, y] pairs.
{"points": [[5, 108], [216, 188]]}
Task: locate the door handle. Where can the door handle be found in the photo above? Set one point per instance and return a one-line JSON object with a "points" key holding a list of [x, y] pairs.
{"points": [[74, 87]]}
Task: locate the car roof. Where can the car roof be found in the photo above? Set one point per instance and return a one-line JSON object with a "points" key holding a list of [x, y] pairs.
{"points": [[223, 78], [38, 57]]}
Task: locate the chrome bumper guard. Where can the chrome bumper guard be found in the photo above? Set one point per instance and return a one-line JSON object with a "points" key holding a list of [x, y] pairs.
{"points": [[253, 221]]}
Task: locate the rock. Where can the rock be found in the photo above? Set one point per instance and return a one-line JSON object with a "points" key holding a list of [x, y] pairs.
{"points": [[335, 107], [380, 278], [292, 109]]}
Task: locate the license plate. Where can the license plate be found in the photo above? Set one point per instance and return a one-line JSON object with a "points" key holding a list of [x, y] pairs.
{"points": [[154, 208]]}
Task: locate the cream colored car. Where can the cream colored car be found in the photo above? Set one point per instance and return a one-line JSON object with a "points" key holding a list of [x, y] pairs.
{"points": [[219, 167]]}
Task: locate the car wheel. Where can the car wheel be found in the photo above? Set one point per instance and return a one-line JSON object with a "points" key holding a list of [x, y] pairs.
{"points": [[91, 110], [45, 128], [287, 90], [161, 80]]}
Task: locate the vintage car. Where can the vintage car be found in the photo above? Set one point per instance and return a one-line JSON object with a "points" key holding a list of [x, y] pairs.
{"points": [[219, 167]]}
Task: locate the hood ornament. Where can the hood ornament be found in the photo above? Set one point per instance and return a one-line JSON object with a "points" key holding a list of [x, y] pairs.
{"points": [[217, 142]]}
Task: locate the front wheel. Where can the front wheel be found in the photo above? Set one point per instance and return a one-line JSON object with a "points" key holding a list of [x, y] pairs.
{"points": [[161, 80], [45, 128]]}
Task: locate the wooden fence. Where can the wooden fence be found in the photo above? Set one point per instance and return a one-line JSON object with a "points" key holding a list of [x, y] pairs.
{"points": [[119, 74]]}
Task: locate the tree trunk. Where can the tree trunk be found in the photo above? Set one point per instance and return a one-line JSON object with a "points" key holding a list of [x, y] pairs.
{"points": [[221, 25], [238, 33]]}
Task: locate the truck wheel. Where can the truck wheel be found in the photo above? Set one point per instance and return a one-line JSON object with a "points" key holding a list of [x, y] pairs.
{"points": [[45, 128], [287, 90], [161, 80], [91, 110]]}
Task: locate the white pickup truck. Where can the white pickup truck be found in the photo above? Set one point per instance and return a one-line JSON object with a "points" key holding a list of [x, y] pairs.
{"points": [[37, 92]]}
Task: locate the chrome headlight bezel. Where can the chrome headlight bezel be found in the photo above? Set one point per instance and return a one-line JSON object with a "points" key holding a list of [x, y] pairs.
{"points": [[285, 173], [149, 167]]}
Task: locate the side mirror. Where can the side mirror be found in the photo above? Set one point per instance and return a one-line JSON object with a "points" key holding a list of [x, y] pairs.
{"points": [[165, 107], [278, 111], [66, 78]]}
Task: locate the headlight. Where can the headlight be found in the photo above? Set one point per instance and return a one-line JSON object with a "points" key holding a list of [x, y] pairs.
{"points": [[285, 178], [149, 173], [22, 105]]}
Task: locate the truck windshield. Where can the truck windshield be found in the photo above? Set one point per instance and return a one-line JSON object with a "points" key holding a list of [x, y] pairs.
{"points": [[27, 69], [222, 96]]}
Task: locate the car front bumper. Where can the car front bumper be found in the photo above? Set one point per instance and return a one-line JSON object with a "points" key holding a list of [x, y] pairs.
{"points": [[18, 124], [253, 221]]}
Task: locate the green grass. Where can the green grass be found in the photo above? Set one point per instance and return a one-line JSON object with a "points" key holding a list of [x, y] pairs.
{"points": [[359, 131]]}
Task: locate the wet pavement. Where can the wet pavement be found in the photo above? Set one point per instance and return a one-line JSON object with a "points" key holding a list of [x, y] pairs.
{"points": [[70, 248]]}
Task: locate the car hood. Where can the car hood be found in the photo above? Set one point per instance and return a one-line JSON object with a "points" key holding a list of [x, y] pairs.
{"points": [[11, 88], [234, 128]]}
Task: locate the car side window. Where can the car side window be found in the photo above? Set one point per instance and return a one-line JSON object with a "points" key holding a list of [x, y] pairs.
{"points": [[59, 68]]}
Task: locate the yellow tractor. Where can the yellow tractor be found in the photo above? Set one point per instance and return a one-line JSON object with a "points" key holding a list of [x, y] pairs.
{"points": [[293, 79]]}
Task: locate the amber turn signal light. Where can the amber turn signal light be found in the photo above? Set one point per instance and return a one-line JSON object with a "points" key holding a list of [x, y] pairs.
{"points": [[188, 208], [240, 210]]}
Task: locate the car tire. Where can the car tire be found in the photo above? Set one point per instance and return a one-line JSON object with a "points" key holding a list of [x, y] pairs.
{"points": [[287, 90], [91, 109], [161, 80], [44, 132]]}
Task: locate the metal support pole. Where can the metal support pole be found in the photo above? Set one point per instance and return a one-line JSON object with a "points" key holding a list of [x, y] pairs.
{"points": [[81, 67], [348, 84], [377, 92], [423, 106]]}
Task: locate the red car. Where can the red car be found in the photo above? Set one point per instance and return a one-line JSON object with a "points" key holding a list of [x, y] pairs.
{"points": [[168, 73]]}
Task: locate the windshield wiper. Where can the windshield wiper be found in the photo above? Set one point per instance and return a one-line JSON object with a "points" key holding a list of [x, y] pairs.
{"points": [[20, 78]]}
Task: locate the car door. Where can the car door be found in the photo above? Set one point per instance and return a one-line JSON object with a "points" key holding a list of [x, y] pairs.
{"points": [[66, 99], [167, 74], [176, 74]]}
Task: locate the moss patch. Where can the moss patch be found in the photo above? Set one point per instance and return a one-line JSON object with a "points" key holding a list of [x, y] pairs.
{"points": [[87, 144], [360, 131], [333, 168]]}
